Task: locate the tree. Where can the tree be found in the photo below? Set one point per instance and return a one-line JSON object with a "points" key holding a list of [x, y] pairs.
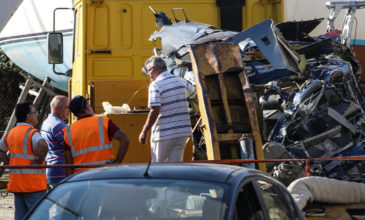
{"points": [[6, 65], [9, 88]]}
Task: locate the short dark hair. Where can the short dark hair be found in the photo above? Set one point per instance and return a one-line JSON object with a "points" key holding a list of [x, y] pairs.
{"points": [[78, 105], [22, 110]]}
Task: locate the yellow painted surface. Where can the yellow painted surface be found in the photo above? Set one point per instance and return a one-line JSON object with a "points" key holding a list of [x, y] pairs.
{"points": [[256, 11], [78, 80], [132, 124], [134, 93]]}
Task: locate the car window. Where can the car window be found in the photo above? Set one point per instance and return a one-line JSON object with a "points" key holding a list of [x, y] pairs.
{"points": [[133, 199], [277, 204], [247, 206]]}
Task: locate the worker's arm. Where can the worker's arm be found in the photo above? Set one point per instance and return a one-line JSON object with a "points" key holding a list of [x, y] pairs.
{"points": [[3, 152], [68, 160], [151, 119], [42, 150], [123, 145], [67, 153]]}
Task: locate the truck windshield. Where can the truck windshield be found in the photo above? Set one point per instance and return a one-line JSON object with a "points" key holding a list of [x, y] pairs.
{"points": [[133, 199]]}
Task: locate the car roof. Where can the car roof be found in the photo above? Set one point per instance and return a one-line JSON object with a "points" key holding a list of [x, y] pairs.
{"points": [[187, 171]]}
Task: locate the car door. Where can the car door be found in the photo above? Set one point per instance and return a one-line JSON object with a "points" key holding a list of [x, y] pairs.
{"points": [[260, 198], [248, 205]]}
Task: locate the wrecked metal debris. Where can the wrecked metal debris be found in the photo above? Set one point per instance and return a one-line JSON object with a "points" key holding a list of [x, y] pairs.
{"points": [[307, 88]]}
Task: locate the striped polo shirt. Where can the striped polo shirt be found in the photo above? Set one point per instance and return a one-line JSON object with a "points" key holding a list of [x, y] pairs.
{"points": [[170, 92], [52, 133]]}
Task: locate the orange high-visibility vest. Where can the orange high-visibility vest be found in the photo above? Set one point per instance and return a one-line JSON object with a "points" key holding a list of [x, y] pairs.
{"points": [[89, 141], [19, 142]]}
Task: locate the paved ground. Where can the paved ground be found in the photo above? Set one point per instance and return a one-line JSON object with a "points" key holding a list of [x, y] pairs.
{"points": [[6, 202], [7, 207]]}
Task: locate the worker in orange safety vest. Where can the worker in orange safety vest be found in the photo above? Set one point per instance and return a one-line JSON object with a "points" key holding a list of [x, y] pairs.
{"points": [[88, 141], [26, 147]]}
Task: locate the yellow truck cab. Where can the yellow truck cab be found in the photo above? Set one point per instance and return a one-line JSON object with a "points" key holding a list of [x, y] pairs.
{"points": [[110, 45]]}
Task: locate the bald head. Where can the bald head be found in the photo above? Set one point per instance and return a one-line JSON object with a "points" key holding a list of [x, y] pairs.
{"points": [[60, 106]]}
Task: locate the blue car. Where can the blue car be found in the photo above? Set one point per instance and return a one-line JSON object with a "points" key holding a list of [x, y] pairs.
{"points": [[168, 191]]}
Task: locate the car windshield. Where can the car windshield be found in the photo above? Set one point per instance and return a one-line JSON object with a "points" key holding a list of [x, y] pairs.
{"points": [[133, 199]]}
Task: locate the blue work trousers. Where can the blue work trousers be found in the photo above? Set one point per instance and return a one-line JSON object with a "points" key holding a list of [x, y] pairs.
{"points": [[25, 202]]}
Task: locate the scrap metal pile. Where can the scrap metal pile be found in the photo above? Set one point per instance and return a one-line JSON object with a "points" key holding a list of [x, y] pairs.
{"points": [[306, 87]]}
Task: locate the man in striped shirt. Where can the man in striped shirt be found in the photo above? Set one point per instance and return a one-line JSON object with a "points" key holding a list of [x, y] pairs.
{"points": [[52, 132], [169, 116]]}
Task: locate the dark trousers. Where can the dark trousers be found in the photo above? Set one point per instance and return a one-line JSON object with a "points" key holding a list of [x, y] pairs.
{"points": [[25, 202]]}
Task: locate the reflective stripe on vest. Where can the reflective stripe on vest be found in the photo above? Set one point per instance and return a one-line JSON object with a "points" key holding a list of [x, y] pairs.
{"points": [[102, 146], [27, 171], [25, 141], [23, 156]]}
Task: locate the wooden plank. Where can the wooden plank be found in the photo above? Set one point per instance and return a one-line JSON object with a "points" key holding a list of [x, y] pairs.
{"points": [[216, 68], [22, 97], [201, 69], [231, 136], [253, 120], [223, 91]]}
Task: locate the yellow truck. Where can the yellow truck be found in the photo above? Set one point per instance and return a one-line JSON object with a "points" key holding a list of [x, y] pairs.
{"points": [[110, 45]]}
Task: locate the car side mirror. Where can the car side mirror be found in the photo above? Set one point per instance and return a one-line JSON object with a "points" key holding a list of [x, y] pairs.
{"points": [[55, 48]]}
